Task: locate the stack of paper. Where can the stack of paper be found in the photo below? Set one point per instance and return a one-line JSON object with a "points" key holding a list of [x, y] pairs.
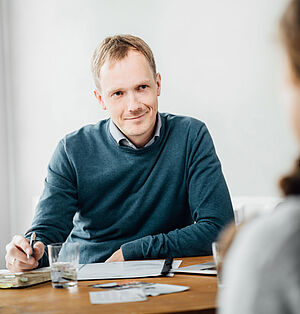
{"points": [[23, 279], [127, 269]]}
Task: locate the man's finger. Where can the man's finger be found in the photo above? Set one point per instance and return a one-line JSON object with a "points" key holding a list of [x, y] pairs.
{"points": [[17, 266], [26, 266], [116, 257], [22, 243], [14, 252], [111, 258], [38, 250], [108, 260]]}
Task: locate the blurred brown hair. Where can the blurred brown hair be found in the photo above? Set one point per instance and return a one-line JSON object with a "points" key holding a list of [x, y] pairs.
{"points": [[289, 28], [116, 48], [290, 184], [290, 37]]}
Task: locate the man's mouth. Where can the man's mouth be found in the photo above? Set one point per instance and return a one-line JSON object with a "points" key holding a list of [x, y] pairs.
{"points": [[136, 117]]}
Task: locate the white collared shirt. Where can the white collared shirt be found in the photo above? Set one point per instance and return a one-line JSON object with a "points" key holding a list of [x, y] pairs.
{"points": [[122, 140]]}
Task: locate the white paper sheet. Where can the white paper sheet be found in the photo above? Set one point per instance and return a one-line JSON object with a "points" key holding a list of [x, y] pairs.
{"points": [[117, 296], [133, 294], [158, 288], [127, 269]]}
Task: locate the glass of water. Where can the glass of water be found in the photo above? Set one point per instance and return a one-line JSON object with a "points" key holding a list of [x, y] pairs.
{"points": [[218, 262], [64, 261]]}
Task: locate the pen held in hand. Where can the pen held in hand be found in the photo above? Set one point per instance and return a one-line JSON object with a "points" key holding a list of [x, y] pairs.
{"points": [[32, 240]]}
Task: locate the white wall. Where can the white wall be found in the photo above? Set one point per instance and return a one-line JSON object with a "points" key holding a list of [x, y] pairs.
{"points": [[4, 173], [219, 62]]}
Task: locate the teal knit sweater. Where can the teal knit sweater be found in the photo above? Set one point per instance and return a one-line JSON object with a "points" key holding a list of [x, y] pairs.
{"points": [[168, 199]]}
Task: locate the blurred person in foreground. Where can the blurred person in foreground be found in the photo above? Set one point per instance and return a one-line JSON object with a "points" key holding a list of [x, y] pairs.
{"points": [[261, 269]]}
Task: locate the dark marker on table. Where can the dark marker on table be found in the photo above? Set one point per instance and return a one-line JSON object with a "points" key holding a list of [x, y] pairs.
{"points": [[167, 266]]}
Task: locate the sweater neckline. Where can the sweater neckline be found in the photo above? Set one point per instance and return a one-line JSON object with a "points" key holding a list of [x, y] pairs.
{"points": [[141, 150]]}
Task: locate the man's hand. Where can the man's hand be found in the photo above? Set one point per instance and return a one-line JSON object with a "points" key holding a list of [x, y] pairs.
{"points": [[16, 258], [116, 257]]}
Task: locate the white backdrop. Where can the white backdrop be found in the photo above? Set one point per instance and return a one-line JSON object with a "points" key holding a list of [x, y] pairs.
{"points": [[219, 61]]}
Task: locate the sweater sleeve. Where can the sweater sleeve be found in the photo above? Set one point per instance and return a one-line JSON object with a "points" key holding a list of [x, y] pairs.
{"points": [[209, 203], [57, 206]]}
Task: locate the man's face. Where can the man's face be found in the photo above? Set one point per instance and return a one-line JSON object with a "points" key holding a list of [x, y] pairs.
{"points": [[129, 92]]}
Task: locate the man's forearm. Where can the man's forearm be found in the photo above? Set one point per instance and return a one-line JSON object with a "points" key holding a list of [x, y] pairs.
{"points": [[192, 240]]}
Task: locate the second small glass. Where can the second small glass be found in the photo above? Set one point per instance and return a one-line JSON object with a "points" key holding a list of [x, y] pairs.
{"points": [[218, 262]]}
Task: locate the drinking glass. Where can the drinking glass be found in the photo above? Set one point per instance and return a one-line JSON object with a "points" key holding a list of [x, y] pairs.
{"points": [[218, 262], [64, 261]]}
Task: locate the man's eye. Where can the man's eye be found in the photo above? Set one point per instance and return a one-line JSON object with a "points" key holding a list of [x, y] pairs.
{"points": [[143, 86], [118, 93]]}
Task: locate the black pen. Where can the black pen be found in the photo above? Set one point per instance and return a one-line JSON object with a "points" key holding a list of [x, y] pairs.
{"points": [[167, 266], [32, 240]]}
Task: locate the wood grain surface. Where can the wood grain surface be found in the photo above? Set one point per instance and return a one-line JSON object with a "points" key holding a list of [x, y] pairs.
{"points": [[42, 298]]}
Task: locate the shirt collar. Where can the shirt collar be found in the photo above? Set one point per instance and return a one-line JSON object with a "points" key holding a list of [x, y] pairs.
{"points": [[122, 140]]}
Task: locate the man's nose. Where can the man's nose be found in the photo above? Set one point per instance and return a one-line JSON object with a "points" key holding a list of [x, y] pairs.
{"points": [[133, 103]]}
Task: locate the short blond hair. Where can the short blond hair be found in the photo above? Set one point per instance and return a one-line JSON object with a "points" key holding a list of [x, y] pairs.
{"points": [[115, 48]]}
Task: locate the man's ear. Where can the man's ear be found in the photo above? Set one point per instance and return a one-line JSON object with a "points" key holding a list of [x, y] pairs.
{"points": [[158, 83], [99, 98]]}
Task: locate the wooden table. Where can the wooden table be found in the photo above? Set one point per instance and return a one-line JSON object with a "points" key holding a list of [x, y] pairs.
{"points": [[42, 298]]}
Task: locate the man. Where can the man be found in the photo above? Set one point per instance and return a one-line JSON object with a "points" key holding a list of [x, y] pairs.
{"points": [[138, 185]]}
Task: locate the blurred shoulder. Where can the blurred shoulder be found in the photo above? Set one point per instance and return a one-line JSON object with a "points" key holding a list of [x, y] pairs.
{"points": [[270, 233], [281, 223], [263, 263]]}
